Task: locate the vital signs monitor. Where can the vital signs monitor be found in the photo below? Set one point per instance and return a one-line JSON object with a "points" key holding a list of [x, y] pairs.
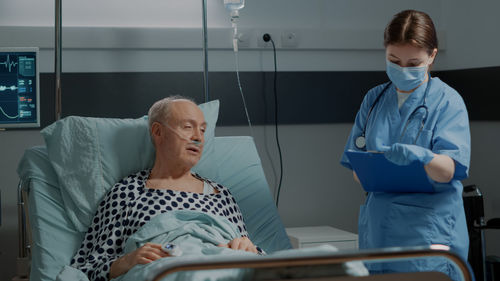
{"points": [[19, 88]]}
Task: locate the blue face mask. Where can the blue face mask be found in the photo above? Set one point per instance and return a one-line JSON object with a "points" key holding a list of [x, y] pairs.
{"points": [[406, 78]]}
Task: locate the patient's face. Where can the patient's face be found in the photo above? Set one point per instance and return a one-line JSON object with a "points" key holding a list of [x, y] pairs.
{"points": [[184, 134]]}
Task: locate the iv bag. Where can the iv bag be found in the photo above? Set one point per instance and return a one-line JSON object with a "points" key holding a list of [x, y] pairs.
{"points": [[234, 5]]}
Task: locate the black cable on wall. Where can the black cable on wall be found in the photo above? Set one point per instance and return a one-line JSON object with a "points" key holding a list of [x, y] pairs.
{"points": [[268, 38]]}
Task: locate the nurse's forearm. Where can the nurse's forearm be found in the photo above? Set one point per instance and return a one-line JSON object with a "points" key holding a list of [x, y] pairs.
{"points": [[355, 177], [441, 168]]}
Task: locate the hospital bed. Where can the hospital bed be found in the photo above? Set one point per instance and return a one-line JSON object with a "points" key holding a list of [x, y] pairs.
{"points": [[62, 182]]}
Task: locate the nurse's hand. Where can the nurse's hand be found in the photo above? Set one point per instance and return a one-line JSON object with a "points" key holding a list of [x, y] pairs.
{"points": [[403, 154], [355, 176]]}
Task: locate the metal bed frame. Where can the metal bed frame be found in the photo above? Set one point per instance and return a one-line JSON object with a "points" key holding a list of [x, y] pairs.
{"points": [[24, 235], [286, 266], [279, 268], [272, 268]]}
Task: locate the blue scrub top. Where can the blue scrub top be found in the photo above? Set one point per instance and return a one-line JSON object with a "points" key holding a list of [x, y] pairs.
{"points": [[416, 219]]}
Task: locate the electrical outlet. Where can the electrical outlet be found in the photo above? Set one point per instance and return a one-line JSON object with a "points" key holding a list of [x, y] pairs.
{"points": [[289, 39], [260, 41]]}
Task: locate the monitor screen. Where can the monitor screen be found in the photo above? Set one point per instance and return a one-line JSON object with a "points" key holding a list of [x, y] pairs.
{"points": [[19, 88]]}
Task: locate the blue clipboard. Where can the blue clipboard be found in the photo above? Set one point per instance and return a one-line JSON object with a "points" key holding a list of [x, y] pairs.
{"points": [[377, 174]]}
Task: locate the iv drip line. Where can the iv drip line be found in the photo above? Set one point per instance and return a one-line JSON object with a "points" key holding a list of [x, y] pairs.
{"points": [[235, 45]]}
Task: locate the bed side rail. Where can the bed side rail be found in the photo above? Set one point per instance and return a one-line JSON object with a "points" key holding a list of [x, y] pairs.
{"points": [[23, 259], [322, 260]]}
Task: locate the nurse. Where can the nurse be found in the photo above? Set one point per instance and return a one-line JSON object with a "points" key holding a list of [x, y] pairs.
{"points": [[414, 117]]}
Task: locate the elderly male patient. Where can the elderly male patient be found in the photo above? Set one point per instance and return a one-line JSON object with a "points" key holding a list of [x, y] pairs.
{"points": [[177, 127]]}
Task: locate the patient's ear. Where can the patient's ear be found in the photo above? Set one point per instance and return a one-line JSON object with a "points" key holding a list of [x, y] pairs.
{"points": [[156, 132]]}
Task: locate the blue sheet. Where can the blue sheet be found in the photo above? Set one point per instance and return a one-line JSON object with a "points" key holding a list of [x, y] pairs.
{"points": [[197, 234]]}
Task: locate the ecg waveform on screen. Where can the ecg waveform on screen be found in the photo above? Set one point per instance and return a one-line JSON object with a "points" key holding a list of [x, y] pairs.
{"points": [[8, 116], [9, 64], [5, 88]]}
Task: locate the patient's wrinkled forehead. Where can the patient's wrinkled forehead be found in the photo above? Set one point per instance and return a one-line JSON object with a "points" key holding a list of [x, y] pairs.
{"points": [[185, 109]]}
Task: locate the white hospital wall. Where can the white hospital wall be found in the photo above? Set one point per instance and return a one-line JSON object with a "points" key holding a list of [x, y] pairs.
{"points": [[316, 189], [332, 35], [466, 32]]}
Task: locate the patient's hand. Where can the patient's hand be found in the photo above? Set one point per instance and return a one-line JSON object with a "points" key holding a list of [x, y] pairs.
{"points": [[241, 243], [147, 253]]}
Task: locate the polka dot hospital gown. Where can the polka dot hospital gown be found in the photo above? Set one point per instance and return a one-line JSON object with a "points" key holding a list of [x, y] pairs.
{"points": [[129, 205]]}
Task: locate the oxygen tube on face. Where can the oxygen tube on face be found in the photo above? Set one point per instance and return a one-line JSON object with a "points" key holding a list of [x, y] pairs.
{"points": [[195, 142]]}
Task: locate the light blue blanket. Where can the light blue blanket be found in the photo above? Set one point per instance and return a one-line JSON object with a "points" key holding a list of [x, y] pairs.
{"points": [[197, 234]]}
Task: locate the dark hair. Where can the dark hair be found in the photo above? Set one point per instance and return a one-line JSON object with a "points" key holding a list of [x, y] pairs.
{"points": [[411, 27]]}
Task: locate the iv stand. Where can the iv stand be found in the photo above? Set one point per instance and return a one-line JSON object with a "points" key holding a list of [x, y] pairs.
{"points": [[205, 50], [57, 56]]}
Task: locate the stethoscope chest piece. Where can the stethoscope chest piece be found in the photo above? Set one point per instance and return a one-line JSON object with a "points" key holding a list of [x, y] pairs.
{"points": [[360, 142]]}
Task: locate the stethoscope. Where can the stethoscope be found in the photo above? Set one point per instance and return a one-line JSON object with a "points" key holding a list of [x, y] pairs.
{"points": [[360, 141]]}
